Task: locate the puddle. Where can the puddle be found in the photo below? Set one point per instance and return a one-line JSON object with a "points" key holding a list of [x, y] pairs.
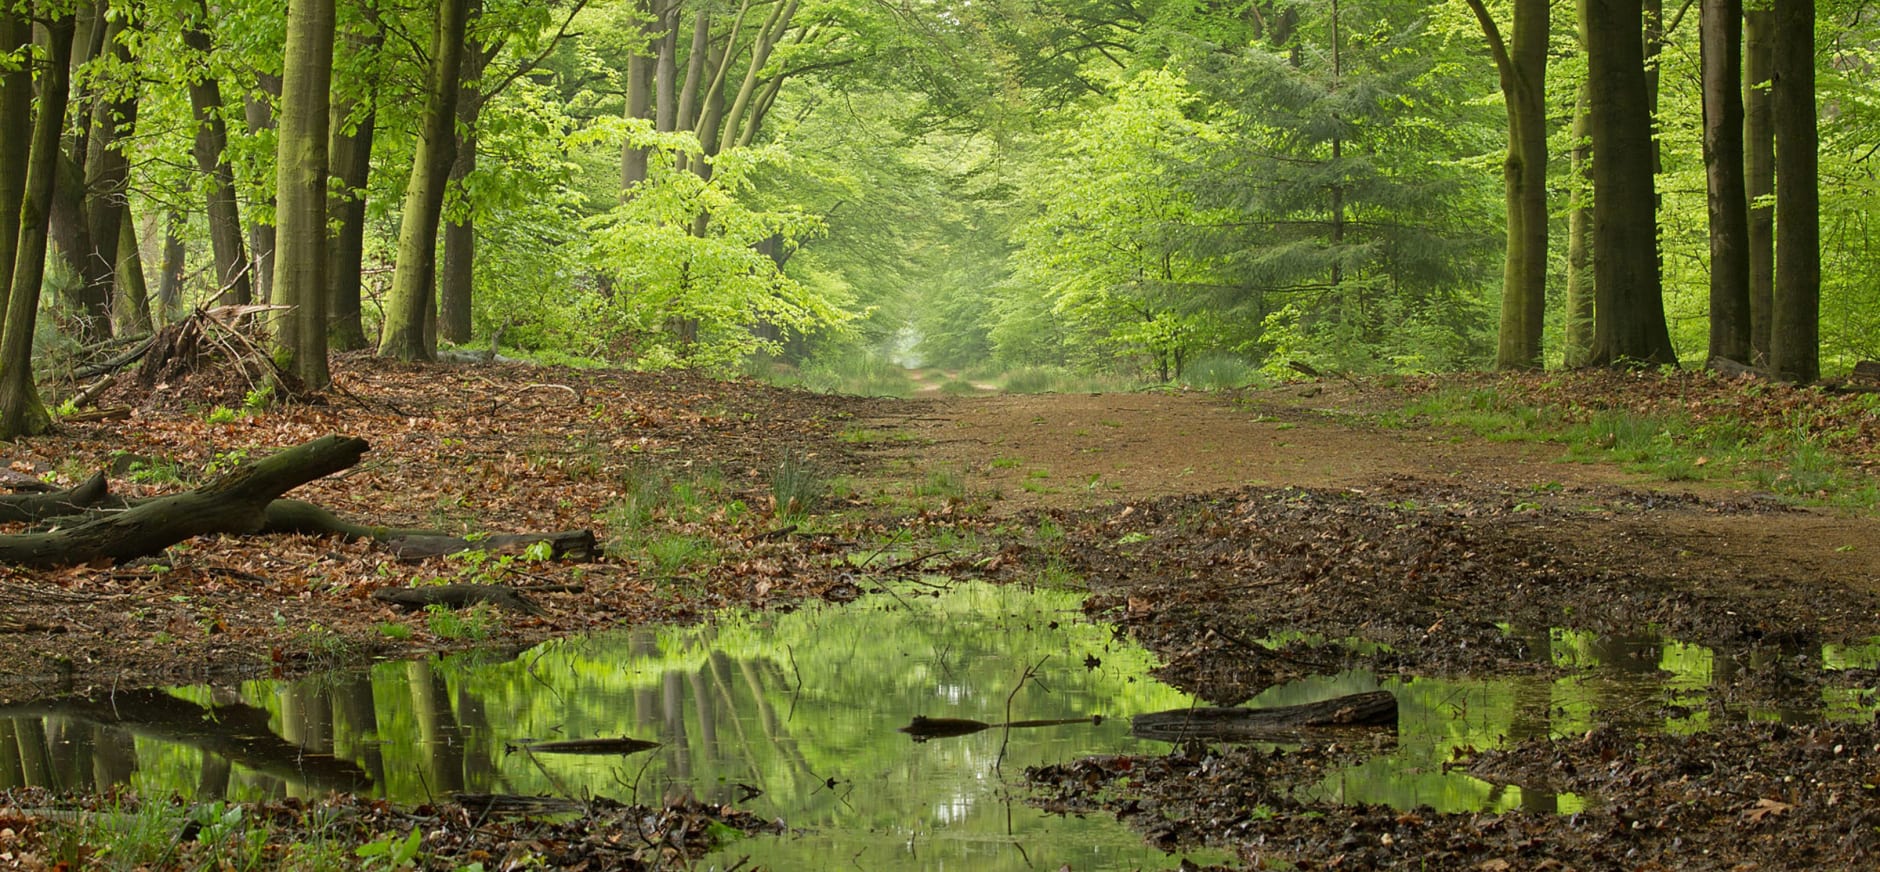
{"points": [[796, 716]]}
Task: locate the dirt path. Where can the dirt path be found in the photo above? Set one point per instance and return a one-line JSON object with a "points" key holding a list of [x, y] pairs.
{"points": [[1069, 451]]}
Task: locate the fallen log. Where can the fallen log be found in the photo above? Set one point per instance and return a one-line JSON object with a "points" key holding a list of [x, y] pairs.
{"points": [[40, 506], [235, 503], [298, 516], [457, 596], [1376, 709]]}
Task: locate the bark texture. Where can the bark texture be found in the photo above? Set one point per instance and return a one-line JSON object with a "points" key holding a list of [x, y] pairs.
{"points": [[300, 191], [1721, 22], [1629, 318], [1521, 62], [1794, 324], [22, 413], [413, 300]]}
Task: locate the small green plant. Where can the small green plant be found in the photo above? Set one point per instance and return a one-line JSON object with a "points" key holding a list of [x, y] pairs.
{"points": [[675, 553], [473, 624], [943, 483], [1133, 537], [155, 472], [796, 488], [391, 851], [1006, 463], [394, 631], [258, 400], [221, 415]]}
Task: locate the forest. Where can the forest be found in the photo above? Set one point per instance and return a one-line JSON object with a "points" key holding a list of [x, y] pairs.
{"points": [[1142, 188]]}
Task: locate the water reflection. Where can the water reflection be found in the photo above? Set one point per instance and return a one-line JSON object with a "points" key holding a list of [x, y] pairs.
{"points": [[795, 715]]}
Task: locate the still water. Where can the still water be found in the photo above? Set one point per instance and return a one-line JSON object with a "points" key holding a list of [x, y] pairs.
{"points": [[794, 715]]}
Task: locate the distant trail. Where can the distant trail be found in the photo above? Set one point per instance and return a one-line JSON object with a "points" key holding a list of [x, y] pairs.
{"points": [[1041, 450]]}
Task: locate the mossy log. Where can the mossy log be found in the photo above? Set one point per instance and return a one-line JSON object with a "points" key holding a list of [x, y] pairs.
{"points": [[40, 506], [457, 596], [235, 503], [89, 524], [1376, 709]]}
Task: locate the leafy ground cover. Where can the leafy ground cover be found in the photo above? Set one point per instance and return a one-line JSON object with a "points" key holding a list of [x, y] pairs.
{"points": [[1248, 539]]}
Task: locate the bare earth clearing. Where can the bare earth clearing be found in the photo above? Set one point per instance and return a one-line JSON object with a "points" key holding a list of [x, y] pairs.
{"points": [[1197, 523]]}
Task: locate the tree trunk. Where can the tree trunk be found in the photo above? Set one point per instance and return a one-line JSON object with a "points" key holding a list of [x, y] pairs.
{"points": [[1721, 22], [107, 184], [175, 260], [1629, 317], [1759, 139], [640, 70], [1794, 332], [236, 502], [131, 310], [414, 277], [766, 42], [1522, 65], [457, 286], [70, 240], [233, 281], [21, 411], [258, 111], [16, 112], [300, 189], [1578, 333], [349, 158]]}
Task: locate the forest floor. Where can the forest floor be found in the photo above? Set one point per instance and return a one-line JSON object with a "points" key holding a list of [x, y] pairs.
{"points": [[1197, 521]]}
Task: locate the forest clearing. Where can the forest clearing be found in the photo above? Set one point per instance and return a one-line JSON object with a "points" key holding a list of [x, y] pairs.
{"points": [[1248, 541]]}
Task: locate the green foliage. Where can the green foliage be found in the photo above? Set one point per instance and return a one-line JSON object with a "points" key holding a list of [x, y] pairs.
{"points": [[474, 624], [675, 553], [797, 488], [853, 371], [684, 253], [391, 851]]}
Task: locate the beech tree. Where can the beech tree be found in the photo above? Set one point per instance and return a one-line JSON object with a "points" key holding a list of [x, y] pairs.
{"points": [[300, 258], [22, 413], [1521, 61], [1795, 316], [232, 269], [411, 310], [1722, 25], [1628, 316]]}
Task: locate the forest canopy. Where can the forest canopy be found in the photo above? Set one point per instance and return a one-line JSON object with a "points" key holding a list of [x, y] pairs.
{"points": [[1130, 187]]}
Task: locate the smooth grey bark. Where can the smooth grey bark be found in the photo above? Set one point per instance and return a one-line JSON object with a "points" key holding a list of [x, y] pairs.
{"points": [[1629, 318], [1721, 26], [1759, 147], [234, 279], [16, 112], [1521, 62], [1578, 332], [22, 413], [349, 168], [412, 303], [300, 192], [1794, 324], [457, 282], [130, 311], [107, 191], [258, 112]]}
